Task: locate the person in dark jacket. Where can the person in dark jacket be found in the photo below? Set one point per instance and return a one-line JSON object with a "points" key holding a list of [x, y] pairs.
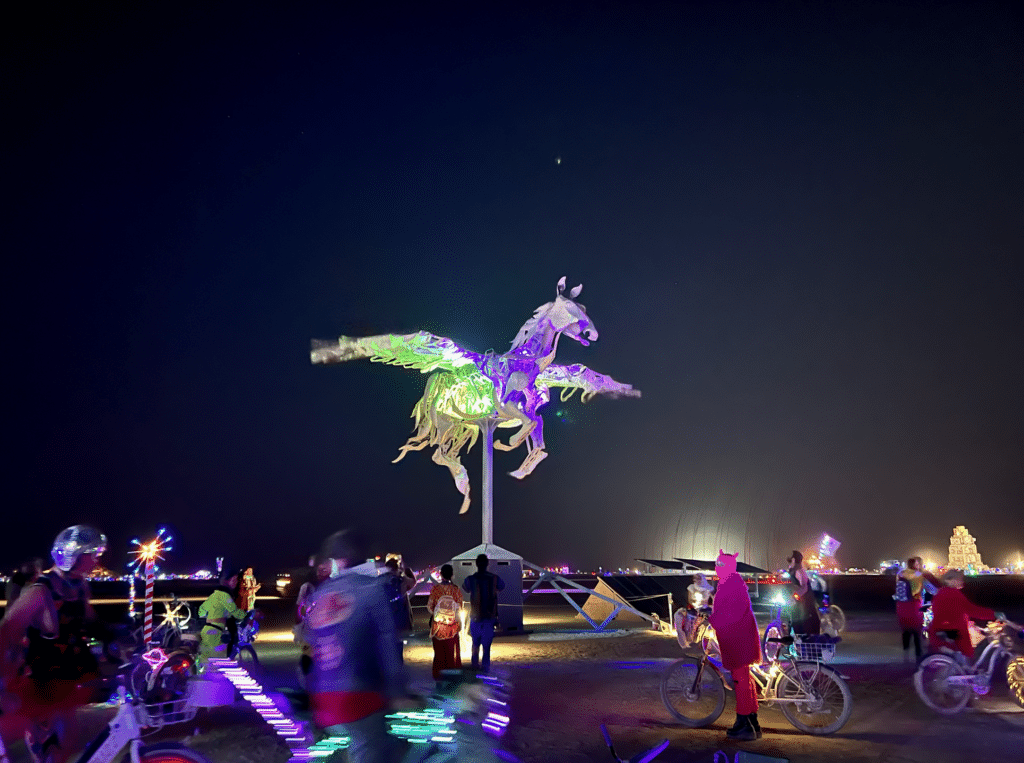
{"points": [[482, 587]]}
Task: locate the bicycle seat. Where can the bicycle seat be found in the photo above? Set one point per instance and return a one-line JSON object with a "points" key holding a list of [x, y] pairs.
{"points": [[785, 640]]}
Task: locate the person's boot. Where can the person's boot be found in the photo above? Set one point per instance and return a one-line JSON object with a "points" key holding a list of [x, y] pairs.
{"points": [[757, 726], [740, 723], [745, 733]]}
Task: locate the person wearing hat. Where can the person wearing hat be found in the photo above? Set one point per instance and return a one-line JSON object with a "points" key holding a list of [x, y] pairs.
{"points": [[47, 679]]}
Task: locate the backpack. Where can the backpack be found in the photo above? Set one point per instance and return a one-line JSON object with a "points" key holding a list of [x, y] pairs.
{"points": [[902, 589], [446, 610]]}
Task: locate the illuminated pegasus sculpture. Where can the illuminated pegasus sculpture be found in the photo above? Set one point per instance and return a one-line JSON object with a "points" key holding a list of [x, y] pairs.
{"points": [[466, 388]]}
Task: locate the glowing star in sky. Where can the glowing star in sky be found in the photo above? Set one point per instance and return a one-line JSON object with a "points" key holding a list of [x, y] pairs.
{"points": [[468, 389]]}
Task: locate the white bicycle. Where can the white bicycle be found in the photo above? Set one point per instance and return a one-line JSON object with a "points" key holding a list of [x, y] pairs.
{"points": [[945, 681], [125, 730]]}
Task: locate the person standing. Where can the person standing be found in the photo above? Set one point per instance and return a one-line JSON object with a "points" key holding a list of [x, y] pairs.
{"points": [[221, 616], [247, 588], [482, 587], [45, 661], [804, 618], [732, 617], [444, 606], [910, 587], [356, 675], [397, 586]]}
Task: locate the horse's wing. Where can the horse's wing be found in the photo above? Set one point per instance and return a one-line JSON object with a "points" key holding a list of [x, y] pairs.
{"points": [[423, 351], [578, 376]]}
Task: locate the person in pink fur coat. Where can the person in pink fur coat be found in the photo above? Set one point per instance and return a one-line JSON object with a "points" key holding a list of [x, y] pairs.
{"points": [[733, 620]]}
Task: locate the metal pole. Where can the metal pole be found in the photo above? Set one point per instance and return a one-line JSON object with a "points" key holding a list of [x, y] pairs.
{"points": [[487, 487]]}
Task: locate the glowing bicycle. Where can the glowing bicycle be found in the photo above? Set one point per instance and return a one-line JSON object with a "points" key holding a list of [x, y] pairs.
{"points": [[125, 730], [812, 696], [945, 681]]}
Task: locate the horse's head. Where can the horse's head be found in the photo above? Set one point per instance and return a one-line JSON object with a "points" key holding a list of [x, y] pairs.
{"points": [[563, 316], [570, 318]]}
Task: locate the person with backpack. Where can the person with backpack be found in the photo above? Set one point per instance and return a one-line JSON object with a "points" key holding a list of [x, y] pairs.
{"points": [[482, 587], [910, 587], [444, 605]]}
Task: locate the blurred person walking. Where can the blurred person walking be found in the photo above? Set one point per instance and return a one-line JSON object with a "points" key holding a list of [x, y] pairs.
{"points": [[356, 675], [320, 572], [482, 587], [444, 606], [26, 574], [911, 583]]}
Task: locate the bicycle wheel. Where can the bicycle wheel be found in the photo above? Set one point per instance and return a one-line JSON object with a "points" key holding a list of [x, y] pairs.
{"points": [[175, 673], [933, 687], [838, 618], [168, 752], [768, 649], [693, 692], [1015, 679], [825, 700]]}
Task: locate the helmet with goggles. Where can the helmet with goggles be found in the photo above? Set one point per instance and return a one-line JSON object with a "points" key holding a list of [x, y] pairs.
{"points": [[74, 542]]}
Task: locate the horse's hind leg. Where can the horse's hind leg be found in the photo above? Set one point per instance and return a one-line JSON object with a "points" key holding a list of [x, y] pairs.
{"points": [[459, 475]]}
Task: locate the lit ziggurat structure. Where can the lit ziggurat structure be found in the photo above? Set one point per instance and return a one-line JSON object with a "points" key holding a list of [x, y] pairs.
{"points": [[963, 551]]}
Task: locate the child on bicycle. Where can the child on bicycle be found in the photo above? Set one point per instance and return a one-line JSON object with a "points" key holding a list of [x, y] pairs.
{"points": [[951, 612]]}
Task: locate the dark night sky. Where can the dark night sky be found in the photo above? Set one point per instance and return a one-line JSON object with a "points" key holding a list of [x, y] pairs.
{"points": [[798, 226]]}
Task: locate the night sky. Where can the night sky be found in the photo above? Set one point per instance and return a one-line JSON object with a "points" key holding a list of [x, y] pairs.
{"points": [[799, 228]]}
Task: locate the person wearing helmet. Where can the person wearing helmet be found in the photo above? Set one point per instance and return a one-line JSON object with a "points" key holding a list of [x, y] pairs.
{"points": [[47, 679]]}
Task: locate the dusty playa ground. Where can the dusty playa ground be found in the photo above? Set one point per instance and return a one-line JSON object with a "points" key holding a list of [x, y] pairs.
{"points": [[566, 684]]}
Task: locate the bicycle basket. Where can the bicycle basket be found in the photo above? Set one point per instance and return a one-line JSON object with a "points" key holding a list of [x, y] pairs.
{"points": [[815, 651], [162, 714]]}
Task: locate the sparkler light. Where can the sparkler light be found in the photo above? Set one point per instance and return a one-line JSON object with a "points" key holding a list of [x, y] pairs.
{"points": [[146, 556]]}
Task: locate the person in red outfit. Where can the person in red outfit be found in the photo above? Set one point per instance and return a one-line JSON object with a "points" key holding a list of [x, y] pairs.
{"points": [[732, 617], [951, 611], [444, 605]]}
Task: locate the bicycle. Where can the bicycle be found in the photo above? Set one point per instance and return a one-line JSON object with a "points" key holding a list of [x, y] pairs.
{"points": [[170, 634], [241, 648], [833, 619], [125, 730], [814, 698], [641, 757], [945, 681]]}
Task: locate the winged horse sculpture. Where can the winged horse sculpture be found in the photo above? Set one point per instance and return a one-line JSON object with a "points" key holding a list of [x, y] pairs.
{"points": [[466, 387]]}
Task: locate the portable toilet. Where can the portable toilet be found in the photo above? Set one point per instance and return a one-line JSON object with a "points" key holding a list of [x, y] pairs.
{"points": [[507, 566]]}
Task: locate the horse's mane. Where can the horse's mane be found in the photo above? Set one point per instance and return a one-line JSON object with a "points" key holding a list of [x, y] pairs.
{"points": [[527, 330]]}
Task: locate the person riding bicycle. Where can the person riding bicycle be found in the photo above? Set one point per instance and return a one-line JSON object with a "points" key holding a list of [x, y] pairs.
{"points": [[46, 665], [952, 612], [698, 597], [219, 612], [733, 620]]}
